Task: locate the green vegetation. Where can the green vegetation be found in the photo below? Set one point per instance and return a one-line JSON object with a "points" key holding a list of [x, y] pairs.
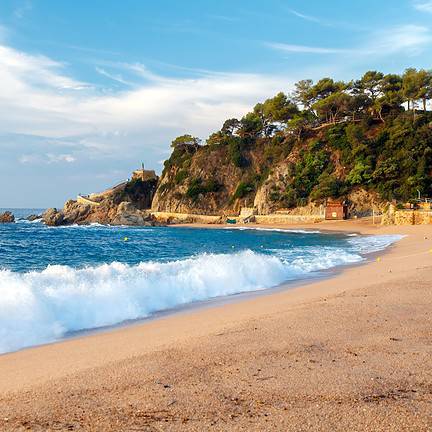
{"points": [[332, 136], [181, 176], [243, 189], [199, 187]]}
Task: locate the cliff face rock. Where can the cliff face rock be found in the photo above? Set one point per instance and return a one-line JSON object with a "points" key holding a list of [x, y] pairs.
{"points": [[199, 181], [7, 217], [264, 174], [277, 179], [362, 203]]}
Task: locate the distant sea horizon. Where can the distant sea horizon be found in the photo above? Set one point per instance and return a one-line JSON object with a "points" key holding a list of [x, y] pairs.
{"points": [[23, 212]]}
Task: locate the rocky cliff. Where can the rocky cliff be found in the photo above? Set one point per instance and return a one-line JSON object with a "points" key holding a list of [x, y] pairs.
{"points": [[280, 173], [365, 141]]}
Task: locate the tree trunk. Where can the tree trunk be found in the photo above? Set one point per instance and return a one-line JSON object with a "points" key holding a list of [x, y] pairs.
{"points": [[424, 104]]}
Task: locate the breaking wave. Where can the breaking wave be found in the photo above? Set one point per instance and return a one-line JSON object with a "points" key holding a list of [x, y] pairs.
{"points": [[43, 306]]}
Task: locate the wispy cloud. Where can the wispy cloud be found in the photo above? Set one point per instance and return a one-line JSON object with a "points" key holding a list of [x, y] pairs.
{"points": [[409, 39], [305, 17], [114, 77], [48, 158], [224, 18], [291, 48], [23, 9], [424, 6]]}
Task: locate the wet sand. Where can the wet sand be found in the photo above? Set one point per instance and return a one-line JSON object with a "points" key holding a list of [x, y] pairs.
{"points": [[349, 353]]}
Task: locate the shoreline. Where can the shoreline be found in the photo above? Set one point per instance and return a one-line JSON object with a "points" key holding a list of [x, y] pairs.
{"points": [[259, 326], [221, 300]]}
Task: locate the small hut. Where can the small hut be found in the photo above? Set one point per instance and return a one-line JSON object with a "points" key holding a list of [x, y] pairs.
{"points": [[336, 210]]}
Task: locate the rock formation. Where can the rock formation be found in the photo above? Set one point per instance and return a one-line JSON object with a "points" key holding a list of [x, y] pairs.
{"points": [[125, 204], [7, 217]]}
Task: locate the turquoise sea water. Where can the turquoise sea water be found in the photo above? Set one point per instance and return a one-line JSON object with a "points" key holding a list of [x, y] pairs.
{"points": [[54, 281]]}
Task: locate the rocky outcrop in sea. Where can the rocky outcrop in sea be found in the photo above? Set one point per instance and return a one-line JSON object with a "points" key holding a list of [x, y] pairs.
{"points": [[7, 217], [124, 204]]}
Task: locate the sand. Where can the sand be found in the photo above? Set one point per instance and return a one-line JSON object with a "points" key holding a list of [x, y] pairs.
{"points": [[348, 353]]}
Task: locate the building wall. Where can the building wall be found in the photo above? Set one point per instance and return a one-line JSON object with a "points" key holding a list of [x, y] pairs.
{"points": [[334, 212], [147, 175]]}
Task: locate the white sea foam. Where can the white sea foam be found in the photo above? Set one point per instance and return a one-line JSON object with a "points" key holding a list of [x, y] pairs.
{"points": [[42, 306], [26, 221], [371, 244]]}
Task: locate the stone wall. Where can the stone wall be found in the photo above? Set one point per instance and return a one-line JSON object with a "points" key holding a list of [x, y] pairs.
{"points": [[412, 217], [169, 217], [287, 219], [83, 200]]}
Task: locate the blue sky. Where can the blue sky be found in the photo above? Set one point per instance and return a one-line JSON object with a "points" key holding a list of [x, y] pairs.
{"points": [[88, 90]]}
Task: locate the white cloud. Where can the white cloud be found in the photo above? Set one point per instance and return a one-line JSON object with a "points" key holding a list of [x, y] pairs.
{"points": [[424, 6], [38, 98]]}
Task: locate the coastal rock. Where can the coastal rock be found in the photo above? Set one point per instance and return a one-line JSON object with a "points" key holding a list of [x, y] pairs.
{"points": [[74, 212], [123, 204], [128, 214], [362, 203], [33, 217], [7, 217], [53, 217]]}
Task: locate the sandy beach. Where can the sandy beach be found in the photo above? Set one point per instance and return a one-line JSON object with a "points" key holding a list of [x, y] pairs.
{"points": [[348, 353]]}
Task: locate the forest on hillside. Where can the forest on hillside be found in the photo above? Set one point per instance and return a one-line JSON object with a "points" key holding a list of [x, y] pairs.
{"points": [[331, 137]]}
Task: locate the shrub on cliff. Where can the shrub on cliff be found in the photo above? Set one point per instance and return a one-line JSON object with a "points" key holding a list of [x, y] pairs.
{"points": [[199, 187]]}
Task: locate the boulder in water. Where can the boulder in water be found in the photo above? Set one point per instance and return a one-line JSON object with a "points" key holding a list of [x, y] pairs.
{"points": [[33, 217], [7, 217], [53, 217]]}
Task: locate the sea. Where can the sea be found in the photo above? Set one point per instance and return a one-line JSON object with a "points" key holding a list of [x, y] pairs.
{"points": [[57, 281]]}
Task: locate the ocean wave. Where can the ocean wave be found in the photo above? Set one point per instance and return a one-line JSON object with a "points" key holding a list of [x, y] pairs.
{"points": [[43, 306], [40, 307]]}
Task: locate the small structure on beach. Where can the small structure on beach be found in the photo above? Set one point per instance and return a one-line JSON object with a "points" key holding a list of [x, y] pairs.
{"points": [[336, 210]]}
